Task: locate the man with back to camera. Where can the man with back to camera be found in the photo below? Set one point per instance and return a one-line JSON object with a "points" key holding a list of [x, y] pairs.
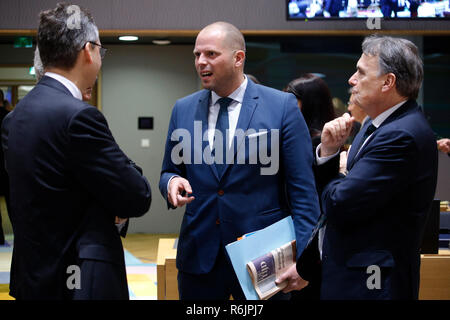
{"points": [[376, 210], [69, 179], [39, 73], [3, 174], [227, 199]]}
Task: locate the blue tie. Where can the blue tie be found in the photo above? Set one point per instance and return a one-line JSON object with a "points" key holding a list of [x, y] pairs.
{"points": [[222, 125]]}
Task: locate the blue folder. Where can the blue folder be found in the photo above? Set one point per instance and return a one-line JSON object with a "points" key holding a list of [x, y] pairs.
{"points": [[255, 245]]}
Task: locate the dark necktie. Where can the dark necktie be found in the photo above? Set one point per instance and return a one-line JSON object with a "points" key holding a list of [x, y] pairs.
{"points": [[370, 129], [222, 125], [323, 218]]}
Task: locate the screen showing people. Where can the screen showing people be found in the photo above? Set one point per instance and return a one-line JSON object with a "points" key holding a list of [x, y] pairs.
{"points": [[306, 9]]}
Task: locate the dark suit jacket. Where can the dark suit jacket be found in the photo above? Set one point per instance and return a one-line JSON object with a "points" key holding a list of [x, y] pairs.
{"points": [[3, 174], [376, 214], [243, 199], [68, 180], [3, 178]]}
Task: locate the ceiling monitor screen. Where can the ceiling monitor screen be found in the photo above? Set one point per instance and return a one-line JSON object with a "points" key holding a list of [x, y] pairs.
{"points": [[354, 9]]}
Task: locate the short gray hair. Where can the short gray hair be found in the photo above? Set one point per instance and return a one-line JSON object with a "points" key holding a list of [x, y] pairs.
{"points": [[38, 67], [62, 33], [400, 57]]}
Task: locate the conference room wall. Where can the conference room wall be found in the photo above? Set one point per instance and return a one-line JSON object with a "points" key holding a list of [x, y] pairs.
{"points": [[194, 14], [146, 81]]}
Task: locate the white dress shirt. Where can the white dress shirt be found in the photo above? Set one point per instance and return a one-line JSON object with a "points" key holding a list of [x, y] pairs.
{"points": [[321, 160], [66, 83], [233, 112]]}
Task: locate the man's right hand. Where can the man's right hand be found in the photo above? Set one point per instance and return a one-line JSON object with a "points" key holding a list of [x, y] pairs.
{"points": [[177, 187], [334, 134]]}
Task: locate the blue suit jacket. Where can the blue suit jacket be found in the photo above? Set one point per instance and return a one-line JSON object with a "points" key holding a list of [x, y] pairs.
{"points": [[377, 213], [68, 181], [242, 200]]}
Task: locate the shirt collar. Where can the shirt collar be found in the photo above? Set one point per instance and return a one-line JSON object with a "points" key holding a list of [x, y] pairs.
{"points": [[67, 83], [384, 115], [236, 95]]}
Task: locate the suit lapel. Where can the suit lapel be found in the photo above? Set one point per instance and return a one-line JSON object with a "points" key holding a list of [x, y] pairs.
{"points": [[201, 115], [356, 142]]}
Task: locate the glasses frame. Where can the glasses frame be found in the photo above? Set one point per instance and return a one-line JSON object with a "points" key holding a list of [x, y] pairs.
{"points": [[102, 48]]}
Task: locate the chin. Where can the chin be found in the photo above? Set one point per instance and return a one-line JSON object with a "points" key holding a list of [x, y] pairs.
{"points": [[207, 85]]}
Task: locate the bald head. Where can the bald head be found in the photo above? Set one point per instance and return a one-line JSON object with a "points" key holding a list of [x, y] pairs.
{"points": [[219, 57], [233, 38]]}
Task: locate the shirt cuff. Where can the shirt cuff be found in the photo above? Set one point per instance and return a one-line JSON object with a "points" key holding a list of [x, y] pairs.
{"points": [[168, 183], [322, 160]]}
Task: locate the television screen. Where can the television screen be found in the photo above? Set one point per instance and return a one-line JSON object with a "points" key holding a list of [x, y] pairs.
{"points": [[396, 9]]}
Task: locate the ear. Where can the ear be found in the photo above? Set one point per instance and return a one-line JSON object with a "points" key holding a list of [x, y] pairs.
{"points": [[389, 82], [87, 53], [240, 58]]}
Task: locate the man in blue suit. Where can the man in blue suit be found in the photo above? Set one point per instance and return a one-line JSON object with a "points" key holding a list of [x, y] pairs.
{"points": [[237, 154], [376, 209], [69, 180]]}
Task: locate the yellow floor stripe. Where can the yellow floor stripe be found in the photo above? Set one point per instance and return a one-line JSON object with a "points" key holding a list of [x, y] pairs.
{"points": [[4, 292]]}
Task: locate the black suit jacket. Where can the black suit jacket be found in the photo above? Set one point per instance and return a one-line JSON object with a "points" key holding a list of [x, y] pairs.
{"points": [[376, 214], [68, 180]]}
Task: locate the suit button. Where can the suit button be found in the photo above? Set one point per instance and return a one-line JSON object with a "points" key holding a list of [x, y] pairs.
{"points": [[220, 192], [217, 221]]}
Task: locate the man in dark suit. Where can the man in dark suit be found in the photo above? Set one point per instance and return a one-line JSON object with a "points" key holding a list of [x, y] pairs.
{"points": [[69, 180], [3, 175], [232, 192], [376, 210]]}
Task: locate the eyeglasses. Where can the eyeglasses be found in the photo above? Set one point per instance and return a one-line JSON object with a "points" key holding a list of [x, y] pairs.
{"points": [[102, 48]]}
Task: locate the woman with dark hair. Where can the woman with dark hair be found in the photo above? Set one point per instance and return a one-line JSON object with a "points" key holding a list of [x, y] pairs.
{"points": [[314, 101]]}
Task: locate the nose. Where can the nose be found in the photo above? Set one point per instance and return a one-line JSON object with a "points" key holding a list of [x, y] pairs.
{"points": [[352, 80], [201, 59]]}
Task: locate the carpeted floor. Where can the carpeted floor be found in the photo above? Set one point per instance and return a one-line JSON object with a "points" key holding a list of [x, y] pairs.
{"points": [[141, 276]]}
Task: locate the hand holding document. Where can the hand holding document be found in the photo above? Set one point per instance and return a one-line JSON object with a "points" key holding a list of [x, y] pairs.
{"points": [[256, 245], [265, 269]]}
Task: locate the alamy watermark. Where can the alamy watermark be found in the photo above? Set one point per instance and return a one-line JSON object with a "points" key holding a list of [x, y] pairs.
{"points": [[374, 280], [258, 148], [74, 278], [74, 21], [373, 23]]}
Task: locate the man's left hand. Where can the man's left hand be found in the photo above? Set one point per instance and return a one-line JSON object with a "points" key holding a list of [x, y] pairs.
{"points": [[295, 282]]}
